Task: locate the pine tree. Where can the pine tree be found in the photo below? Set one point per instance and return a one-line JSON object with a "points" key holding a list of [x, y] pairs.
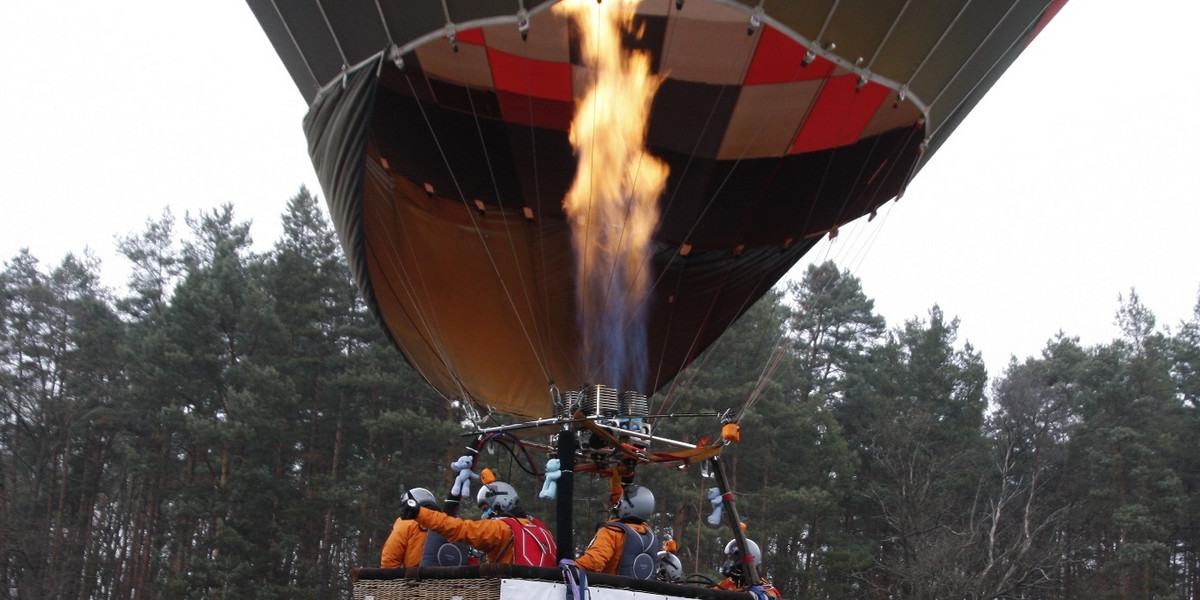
{"points": [[1023, 543], [1123, 455], [61, 385], [1185, 370], [915, 417]]}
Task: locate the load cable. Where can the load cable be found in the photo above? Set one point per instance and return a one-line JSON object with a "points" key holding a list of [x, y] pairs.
{"points": [[475, 224], [408, 285], [505, 216]]}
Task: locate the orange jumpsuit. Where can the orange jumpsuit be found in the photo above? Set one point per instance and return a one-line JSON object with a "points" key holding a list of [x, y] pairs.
{"points": [[604, 553], [490, 536], [404, 546], [728, 584]]}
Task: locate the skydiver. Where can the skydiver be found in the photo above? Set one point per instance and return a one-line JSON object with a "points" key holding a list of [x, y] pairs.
{"points": [[406, 543], [625, 545], [506, 533], [735, 579]]}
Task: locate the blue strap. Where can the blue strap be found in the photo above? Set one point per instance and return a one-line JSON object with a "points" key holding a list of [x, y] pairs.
{"points": [[758, 593], [576, 579]]}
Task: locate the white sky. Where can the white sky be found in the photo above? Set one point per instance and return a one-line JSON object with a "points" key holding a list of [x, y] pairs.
{"points": [[1074, 180]]}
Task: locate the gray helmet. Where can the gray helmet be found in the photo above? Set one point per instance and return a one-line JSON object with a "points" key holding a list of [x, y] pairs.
{"points": [[732, 567], [423, 497], [636, 502], [669, 567], [497, 496]]}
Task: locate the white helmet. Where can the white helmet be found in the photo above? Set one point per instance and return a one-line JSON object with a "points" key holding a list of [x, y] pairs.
{"points": [[669, 567], [636, 502], [423, 497], [733, 561], [497, 497]]}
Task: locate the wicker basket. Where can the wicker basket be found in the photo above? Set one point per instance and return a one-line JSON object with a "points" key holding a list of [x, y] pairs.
{"points": [[427, 589], [483, 582]]}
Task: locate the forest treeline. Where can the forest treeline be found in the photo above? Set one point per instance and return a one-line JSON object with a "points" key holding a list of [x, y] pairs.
{"points": [[234, 424]]}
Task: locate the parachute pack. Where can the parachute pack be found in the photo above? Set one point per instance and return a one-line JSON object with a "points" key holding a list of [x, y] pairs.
{"points": [[532, 543], [638, 558], [439, 552]]}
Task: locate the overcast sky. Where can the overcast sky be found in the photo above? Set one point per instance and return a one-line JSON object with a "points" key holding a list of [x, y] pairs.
{"points": [[1074, 180]]}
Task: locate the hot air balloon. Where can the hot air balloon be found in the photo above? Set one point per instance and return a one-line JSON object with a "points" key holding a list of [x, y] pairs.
{"points": [[439, 133], [442, 132]]}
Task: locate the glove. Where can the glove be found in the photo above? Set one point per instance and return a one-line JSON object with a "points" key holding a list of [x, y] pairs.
{"points": [[409, 509]]}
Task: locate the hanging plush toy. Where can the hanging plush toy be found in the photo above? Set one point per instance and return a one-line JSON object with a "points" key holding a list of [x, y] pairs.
{"points": [[550, 487], [463, 476], [714, 498]]}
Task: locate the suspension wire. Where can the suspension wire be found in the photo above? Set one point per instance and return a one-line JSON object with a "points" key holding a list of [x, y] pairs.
{"points": [[828, 20], [784, 337], [763, 378], [670, 316], [857, 260], [975, 52], [693, 348], [333, 34], [833, 249], [1024, 36], [410, 283], [539, 353], [387, 30], [804, 120], [775, 358], [445, 160], [773, 361], [470, 211], [937, 44], [421, 316], [736, 67], [693, 370], [888, 35], [781, 346], [296, 45], [761, 127], [707, 121], [539, 221], [505, 216], [893, 156], [747, 57], [837, 219]]}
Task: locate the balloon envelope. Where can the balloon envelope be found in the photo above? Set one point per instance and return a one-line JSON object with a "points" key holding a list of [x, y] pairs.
{"points": [[439, 131]]}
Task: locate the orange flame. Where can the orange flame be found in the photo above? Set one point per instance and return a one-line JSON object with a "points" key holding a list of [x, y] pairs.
{"points": [[613, 203]]}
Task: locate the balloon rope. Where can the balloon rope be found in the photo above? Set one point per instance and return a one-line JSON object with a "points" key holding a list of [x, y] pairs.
{"points": [[523, 280], [1024, 37], [470, 211], [409, 283], [538, 222]]}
